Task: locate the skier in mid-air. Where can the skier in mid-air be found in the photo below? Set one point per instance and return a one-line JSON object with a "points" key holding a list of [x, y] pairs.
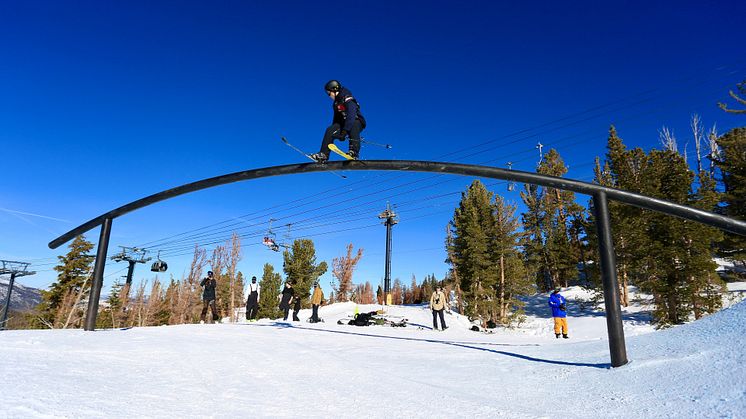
{"points": [[347, 121]]}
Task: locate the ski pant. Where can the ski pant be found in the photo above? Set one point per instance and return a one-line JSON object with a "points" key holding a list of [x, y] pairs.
{"points": [[213, 307], [354, 134], [315, 313], [560, 324], [285, 311], [436, 314], [295, 316], [251, 309]]}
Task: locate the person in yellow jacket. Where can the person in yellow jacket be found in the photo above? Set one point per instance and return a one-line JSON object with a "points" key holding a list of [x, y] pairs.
{"points": [[438, 305], [316, 298]]}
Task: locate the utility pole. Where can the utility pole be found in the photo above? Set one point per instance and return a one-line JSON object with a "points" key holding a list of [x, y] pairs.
{"points": [[132, 255], [390, 219], [14, 269]]}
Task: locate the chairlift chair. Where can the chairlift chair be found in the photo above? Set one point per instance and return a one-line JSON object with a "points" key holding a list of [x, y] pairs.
{"points": [[159, 265]]}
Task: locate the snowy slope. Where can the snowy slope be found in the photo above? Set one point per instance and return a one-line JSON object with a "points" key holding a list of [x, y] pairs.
{"points": [[279, 369]]}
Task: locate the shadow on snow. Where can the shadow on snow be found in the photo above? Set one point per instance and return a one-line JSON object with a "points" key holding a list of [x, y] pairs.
{"points": [[468, 345]]}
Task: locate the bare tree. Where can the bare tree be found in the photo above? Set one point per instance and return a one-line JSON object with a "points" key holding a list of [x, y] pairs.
{"points": [[218, 262], [668, 139], [75, 308], [698, 132], [235, 256], [342, 269], [714, 154], [136, 314], [742, 91], [187, 295], [153, 303]]}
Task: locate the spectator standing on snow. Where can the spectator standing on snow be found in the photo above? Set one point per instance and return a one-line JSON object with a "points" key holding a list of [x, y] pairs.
{"points": [[316, 298], [252, 303], [296, 308], [285, 298], [208, 297], [438, 305], [559, 313]]}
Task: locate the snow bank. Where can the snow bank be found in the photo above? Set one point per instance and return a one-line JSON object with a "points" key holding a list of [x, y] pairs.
{"points": [[281, 369]]}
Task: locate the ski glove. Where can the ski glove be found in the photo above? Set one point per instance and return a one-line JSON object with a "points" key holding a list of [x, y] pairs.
{"points": [[340, 135], [562, 307]]}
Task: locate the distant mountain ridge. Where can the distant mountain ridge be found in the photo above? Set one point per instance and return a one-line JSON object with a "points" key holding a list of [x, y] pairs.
{"points": [[22, 298]]}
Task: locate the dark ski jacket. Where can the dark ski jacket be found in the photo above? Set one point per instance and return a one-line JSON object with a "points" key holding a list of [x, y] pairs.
{"points": [[208, 294], [346, 110], [555, 300], [287, 295], [253, 294]]}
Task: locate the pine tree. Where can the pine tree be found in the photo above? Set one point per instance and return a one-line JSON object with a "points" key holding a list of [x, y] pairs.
{"points": [[396, 293], [551, 254], [663, 255], [473, 224], [416, 294], [512, 279], [678, 259], [270, 286], [301, 269], [623, 169], [731, 164], [111, 315], [73, 279]]}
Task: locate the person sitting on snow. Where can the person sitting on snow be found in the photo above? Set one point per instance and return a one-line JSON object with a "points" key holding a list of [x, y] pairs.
{"points": [[559, 313]]}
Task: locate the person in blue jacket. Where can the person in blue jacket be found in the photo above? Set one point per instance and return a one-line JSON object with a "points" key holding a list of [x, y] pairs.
{"points": [[559, 313], [347, 121]]}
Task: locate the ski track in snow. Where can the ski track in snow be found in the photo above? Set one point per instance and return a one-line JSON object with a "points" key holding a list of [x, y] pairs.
{"points": [[280, 369]]}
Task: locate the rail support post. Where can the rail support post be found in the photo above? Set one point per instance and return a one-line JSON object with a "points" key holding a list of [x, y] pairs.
{"points": [[98, 275], [607, 260]]}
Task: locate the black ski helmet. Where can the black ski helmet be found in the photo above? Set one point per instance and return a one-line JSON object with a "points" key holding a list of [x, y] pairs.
{"points": [[332, 86]]}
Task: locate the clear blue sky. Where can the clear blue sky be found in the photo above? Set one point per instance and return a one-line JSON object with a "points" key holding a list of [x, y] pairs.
{"points": [[103, 103]]}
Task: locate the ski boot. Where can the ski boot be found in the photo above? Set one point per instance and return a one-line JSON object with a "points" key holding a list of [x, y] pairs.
{"points": [[556, 335], [564, 336], [353, 154], [320, 157]]}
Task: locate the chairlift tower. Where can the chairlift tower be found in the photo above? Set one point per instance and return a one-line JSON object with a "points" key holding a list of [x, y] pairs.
{"points": [[540, 147], [132, 255], [390, 219], [14, 269]]}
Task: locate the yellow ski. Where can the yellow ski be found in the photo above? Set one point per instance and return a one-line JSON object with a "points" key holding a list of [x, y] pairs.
{"points": [[333, 147]]}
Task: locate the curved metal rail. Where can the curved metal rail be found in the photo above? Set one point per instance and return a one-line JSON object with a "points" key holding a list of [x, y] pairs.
{"points": [[600, 195], [667, 207]]}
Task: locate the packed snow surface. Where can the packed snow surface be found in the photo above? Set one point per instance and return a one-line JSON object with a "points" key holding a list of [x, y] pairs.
{"points": [[273, 368]]}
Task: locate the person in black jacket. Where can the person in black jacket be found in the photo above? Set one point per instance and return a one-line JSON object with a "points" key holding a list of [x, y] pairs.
{"points": [[208, 297], [252, 303], [347, 121], [296, 308], [285, 299]]}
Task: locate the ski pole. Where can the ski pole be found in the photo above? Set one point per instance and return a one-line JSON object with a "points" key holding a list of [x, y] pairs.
{"points": [[363, 140]]}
